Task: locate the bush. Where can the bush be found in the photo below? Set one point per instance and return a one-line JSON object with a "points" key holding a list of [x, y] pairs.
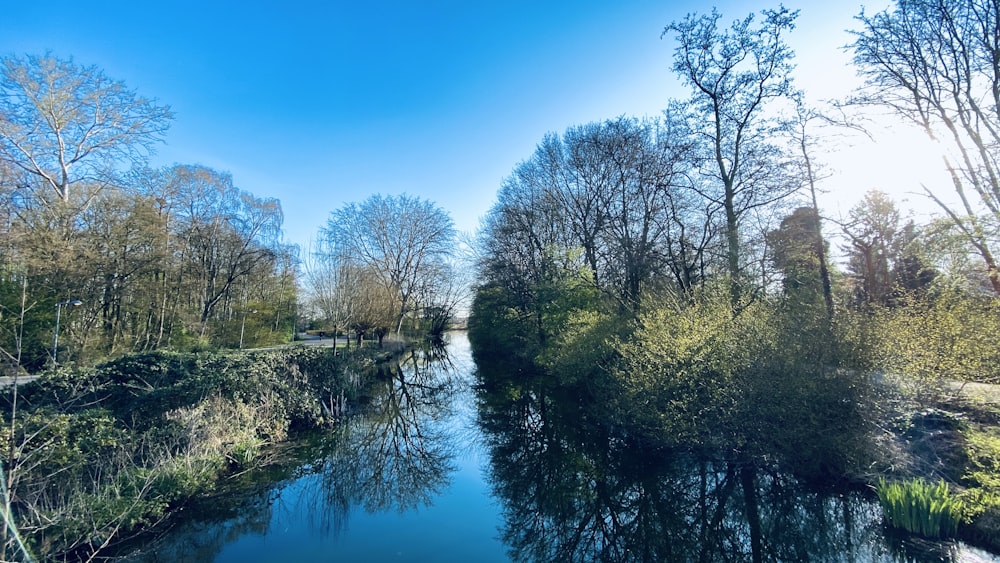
{"points": [[110, 450], [952, 337], [680, 368]]}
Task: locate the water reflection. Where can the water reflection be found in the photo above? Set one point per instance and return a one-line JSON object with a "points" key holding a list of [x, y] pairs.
{"points": [[573, 488], [396, 457], [562, 481]]}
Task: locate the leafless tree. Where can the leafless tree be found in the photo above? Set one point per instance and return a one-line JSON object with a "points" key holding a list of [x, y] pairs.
{"points": [[403, 239], [227, 233], [737, 76], [64, 124], [936, 63]]}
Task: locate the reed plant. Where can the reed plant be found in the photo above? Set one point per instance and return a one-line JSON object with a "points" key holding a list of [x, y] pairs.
{"points": [[919, 507]]}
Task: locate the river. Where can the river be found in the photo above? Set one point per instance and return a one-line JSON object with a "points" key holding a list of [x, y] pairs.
{"points": [[437, 469]]}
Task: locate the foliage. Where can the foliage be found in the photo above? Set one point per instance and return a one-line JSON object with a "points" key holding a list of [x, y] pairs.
{"points": [[982, 479], [164, 258], [984, 460], [798, 406], [798, 246], [951, 337], [680, 368], [933, 63], [101, 453], [920, 507], [581, 352], [500, 328]]}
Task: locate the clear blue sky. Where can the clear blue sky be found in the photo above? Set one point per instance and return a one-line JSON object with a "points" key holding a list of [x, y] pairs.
{"points": [[320, 104]]}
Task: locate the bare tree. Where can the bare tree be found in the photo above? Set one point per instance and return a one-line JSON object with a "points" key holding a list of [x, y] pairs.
{"points": [[737, 75], [330, 287], [810, 172], [936, 63], [401, 238], [65, 124], [227, 234]]}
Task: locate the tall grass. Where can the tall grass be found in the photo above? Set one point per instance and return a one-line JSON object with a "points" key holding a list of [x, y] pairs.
{"points": [[920, 507]]}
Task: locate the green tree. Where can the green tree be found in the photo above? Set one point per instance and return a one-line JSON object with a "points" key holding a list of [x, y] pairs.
{"points": [[798, 248], [226, 236], [881, 260]]}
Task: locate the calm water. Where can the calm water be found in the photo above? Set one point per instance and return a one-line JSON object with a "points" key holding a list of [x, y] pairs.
{"points": [[437, 471]]}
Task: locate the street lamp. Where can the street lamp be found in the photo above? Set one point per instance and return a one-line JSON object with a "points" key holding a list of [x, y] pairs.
{"points": [[244, 325], [55, 340]]}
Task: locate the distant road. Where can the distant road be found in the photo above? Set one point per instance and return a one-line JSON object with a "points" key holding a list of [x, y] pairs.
{"points": [[317, 341]]}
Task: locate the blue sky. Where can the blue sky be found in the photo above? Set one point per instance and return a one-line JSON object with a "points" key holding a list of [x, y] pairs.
{"points": [[321, 104]]}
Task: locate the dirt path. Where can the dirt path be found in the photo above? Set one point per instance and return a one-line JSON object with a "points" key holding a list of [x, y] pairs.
{"points": [[985, 392]]}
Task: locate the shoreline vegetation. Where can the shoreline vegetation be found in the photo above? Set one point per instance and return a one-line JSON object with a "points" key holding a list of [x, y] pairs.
{"points": [[97, 456], [838, 405], [672, 275]]}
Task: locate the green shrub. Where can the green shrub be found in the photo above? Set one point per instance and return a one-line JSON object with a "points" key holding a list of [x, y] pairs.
{"points": [[921, 508], [113, 449], [681, 367], [952, 337]]}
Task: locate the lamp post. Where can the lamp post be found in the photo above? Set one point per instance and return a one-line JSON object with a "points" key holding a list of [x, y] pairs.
{"points": [[244, 325], [55, 339]]}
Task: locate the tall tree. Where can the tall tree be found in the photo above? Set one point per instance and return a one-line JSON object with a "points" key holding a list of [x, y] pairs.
{"points": [[936, 63], [64, 124], [226, 234], [797, 254], [874, 249], [809, 171], [737, 75], [519, 245], [120, 235], [330, 287], [401, 238]]}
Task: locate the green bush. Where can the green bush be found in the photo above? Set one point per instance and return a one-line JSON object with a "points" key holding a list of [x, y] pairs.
{"points": [[681, 367], [921, 508], [952, 337], [113, 449]]}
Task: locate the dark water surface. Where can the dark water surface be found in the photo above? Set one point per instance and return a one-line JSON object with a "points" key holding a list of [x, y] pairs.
{"points": [[437, 471]]}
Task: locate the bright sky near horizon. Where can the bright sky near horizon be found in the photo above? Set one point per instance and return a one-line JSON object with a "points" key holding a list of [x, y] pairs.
{"points": [[324, 103]]}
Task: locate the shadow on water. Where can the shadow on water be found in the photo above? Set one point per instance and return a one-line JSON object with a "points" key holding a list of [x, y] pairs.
{"points": [[438, 468]]}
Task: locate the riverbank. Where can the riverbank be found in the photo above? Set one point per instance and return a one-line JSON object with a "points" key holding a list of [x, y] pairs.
{"points": [[97, 455], [403, 480], [946, 432]]}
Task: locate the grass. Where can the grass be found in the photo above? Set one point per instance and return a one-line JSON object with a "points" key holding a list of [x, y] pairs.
{"points": [[921, 508]]}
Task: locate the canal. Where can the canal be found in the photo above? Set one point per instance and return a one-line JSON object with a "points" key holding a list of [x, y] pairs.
{"points": [[439, 469]]}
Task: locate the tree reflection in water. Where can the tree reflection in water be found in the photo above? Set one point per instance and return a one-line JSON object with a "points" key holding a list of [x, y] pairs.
{"points": [[398, 455], [569, 483], [573, 489]]}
